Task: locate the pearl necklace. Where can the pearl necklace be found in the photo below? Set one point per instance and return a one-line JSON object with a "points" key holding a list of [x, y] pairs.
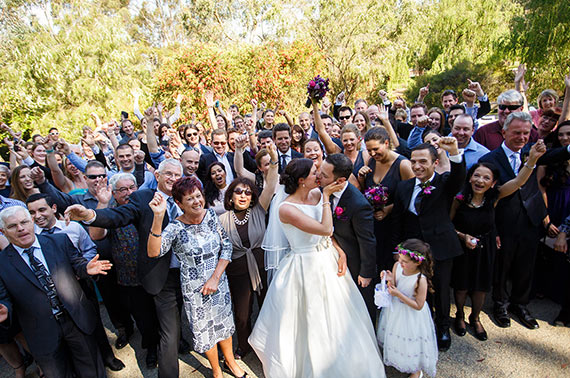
{"points": [[245, 219]]}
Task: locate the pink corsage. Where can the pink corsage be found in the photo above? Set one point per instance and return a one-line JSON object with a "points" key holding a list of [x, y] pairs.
{"points": [[339, 213], [427, 187], [460, 197]]}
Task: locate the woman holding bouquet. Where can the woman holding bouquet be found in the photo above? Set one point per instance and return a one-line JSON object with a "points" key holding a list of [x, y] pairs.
{"points": [[384, 171]]}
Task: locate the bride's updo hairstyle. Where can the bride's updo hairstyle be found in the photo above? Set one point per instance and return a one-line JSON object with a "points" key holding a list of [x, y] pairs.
{"points": [[295, 170]]}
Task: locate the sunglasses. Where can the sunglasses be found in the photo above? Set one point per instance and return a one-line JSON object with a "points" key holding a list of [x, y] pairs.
{"points": [[239, 191], [219, 143], [342, 118], [191, 135], [512, 108], [93, 177]]}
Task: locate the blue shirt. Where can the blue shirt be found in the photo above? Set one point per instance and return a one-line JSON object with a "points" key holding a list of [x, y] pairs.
{"points": [[9, 202], [473, 152], [415, 137]]}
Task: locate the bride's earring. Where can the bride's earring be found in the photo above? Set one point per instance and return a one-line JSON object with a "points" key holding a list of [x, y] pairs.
{"points": [[303, 185]]}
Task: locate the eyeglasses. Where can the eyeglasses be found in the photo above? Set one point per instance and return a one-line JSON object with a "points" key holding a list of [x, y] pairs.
{"points": [[191, 135], [94, 177], [239, 191], [125, 189], [219, 143], [512, 108], [171, 174], [342, 118]]}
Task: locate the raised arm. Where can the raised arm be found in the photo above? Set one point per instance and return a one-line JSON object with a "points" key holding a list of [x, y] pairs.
{"points": [[424, 91], [521, 85], [158, 207], [151, 141], [385, 119], [330, 146], [209, 97], [63, 183], [238, 159], [511, 186], [270, 179], [287, 117], [173, 118]]}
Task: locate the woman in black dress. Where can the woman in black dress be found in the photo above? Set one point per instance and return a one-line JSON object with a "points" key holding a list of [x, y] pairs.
{"points": [[473, 214], [387, 168]]}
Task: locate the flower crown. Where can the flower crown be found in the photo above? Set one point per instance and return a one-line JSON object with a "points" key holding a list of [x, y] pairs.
{"points": [[413, 254]]}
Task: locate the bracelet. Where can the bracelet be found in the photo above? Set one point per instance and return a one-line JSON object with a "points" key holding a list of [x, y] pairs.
{"points": [[156, 235], [529, 167], [273, 162], [326, 203]]}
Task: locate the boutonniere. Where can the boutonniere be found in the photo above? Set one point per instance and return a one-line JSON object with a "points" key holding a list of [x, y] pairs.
{"points": [[339, 213], [460, 197], [427, 187]]}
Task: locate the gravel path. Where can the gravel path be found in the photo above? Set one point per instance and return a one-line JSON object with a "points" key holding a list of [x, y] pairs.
{"points": [[511, 352]]}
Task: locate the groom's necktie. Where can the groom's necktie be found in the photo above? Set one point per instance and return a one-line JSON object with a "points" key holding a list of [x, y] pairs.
{"points": [[45, 280]]}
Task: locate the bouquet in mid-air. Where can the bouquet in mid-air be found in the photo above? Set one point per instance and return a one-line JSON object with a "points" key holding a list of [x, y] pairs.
{"points": [[317, 89]]}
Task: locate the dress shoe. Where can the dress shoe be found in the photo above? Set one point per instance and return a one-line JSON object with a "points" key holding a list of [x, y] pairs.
{"points": [[114, 364], [476, 323], [524, 316], [444, 340], [459, 325], [122, 339], [151, 358], [501, 317], [183, 347]]}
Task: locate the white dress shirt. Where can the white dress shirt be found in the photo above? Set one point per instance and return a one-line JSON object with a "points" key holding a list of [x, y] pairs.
{"points": [[513, 157], [38, 254], [224, 160]]}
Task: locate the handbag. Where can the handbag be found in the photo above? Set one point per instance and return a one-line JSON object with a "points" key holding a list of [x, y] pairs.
{"points": [[382, 297]]}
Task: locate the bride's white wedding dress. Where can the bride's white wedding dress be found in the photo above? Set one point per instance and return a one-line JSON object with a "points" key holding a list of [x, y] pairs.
{"points": [[314, 323]]}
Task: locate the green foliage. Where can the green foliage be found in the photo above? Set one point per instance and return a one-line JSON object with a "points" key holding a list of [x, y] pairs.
{"points": [[541, 38]]}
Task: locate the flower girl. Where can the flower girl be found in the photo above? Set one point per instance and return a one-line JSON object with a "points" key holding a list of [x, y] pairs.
{"points": [[406, 331]]}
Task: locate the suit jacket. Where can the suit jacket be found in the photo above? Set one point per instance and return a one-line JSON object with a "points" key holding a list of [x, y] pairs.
{"points": [[152, 272], [294, 155], [354, 231], [524, 210], [22, 293], [432, 224], [209, 158]]}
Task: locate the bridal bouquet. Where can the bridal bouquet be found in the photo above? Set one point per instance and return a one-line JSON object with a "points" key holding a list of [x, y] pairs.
{"points": [[377, 196], [317, 89]]}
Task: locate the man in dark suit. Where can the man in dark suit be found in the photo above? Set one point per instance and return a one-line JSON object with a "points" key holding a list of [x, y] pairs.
{"points": [[38, 282], [282, 139], [518, 220], [159, 277], [353, 226], [421, 210], [220, 154]]}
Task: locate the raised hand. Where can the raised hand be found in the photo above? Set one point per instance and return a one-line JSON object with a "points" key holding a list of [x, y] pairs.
{"points": [[340, 98], [254, 103], [424, 91], [3, 313], [77, 213], [475, 87], [423, 121], [103, 192], [179, 98], [536, 151], [468, 95], [383, 112], [139, 157], [567, 81], [63, 147], [519, 74], [272, 149], [241, 141], [209, 97], [96, 266], [9, 143], [449, 144], [383, 94], [37, 175], [157, 204]]}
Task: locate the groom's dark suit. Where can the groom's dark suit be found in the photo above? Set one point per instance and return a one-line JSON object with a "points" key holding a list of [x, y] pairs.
{"points": [[354, 232], [432, 225]]}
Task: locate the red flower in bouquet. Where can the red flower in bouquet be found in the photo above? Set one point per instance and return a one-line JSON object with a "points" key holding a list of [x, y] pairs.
{"points": [[377, 196]]}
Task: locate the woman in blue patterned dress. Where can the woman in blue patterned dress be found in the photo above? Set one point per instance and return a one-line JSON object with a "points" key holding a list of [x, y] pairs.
{"points": [[204, 251]]}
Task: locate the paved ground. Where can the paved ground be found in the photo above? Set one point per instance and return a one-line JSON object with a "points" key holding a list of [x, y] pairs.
{"points": [[512, 352]]}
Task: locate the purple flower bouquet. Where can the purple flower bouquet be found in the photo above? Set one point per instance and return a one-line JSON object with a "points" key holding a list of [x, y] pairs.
{"points": [[377, 196], [317, 89]]}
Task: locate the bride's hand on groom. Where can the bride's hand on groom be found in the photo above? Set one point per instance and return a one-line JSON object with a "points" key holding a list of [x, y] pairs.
{"points": [[331, 188], [211, 286]]}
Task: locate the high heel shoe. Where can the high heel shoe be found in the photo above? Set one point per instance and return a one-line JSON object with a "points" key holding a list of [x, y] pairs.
{"points": [[460, 329], [479, 335]]}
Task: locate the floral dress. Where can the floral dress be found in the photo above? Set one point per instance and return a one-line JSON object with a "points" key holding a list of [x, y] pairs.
{"points": [[198, 247]]}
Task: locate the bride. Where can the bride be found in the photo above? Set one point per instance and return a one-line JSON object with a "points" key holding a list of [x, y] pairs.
{"points": [[313, 322]]}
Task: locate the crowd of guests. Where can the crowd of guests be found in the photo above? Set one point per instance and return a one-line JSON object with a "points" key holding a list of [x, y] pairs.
{"points": [[171, 219]]}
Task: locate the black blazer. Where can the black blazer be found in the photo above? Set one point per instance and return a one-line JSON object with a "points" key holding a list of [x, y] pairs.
{"points": [[294, 155], [21, 292], [152, 272], [355, 233], [207, 159], [432, 224], [524, 210]]}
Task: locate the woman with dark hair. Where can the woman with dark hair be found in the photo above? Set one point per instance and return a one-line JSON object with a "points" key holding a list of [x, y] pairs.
{"points": [[313, 150], [385, 169], [22, 184], [215, 187], [244, 222], [314, 320], [436, 119], [432, 137], [268, 120], [222, 122], [473, 214], [204, 251], [362, 121], [298, 138]]}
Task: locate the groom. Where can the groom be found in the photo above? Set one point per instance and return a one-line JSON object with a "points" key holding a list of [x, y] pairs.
{"points": [[353, 226]]}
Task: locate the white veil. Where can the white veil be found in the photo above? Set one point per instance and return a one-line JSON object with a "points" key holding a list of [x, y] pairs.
{"points": [[275, 244]]}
